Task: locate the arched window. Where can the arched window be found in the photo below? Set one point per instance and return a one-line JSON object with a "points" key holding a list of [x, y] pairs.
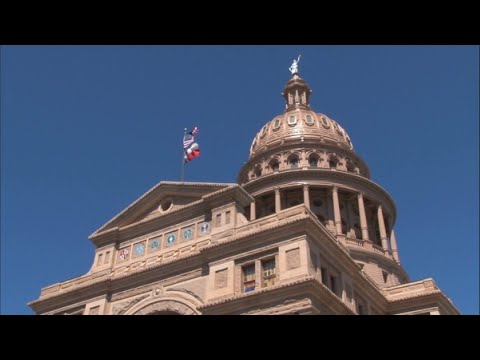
{"points": [[274, 165], [293, 161], [350, 165], [313, 161], [333, 162], [257, 171]]}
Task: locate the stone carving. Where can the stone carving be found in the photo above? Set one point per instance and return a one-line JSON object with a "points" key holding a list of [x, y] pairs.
{"points": [[119, 309]]}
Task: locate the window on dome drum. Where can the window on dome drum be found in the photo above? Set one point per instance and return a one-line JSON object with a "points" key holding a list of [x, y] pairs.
{"points": [[274, 165], [332, 164], [293, 163], [268, 272], [258, 171], [313, 161], [350, 166], [248, 278], [292, 120]]}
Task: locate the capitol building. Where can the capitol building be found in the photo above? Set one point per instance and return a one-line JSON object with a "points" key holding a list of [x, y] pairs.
{"points": [[304, 230]]}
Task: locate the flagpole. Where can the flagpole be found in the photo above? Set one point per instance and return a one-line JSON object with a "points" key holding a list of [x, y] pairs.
{"points": [[183, 156]]}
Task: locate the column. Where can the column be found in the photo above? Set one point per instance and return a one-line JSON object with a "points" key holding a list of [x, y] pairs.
{"points": [[253, 211], [278, 206], [381, 227], [393, 244], [306, 196], [336, 211], [363, 217]]}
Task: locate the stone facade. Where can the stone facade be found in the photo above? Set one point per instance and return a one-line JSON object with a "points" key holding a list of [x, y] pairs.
{"points": [[304, 231]]}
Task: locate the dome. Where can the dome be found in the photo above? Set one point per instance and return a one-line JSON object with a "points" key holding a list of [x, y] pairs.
{"points": [[300, 124]]}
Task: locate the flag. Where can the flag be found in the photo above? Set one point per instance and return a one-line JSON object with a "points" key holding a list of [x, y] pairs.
{"points": [[189, 137], [190, 147]]}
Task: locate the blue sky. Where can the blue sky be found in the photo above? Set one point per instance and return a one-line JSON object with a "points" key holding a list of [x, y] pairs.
{"points": [[86, 130]]}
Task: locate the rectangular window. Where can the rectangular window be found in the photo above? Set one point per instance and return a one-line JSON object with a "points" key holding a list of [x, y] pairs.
{"points": [[324, 276], [227, 217], [348, 292], [248, 278], [218, 220], [107, 257], [99, 259], [268, 272], [333, 284]]}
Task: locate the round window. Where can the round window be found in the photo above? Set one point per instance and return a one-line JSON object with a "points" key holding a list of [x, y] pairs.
{"points": [[325, 122], [309, 120], [165, 205], [264, 131], [276, 124], [292, 120]]}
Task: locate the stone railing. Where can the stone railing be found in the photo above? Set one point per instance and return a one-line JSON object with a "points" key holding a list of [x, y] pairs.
{"points": [[354, 241]]}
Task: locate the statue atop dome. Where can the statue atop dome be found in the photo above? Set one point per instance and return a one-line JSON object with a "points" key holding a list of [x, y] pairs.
{"points": [[294, 68]]}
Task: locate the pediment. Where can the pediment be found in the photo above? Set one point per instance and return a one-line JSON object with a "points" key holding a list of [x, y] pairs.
{"points": [[161, 199]]}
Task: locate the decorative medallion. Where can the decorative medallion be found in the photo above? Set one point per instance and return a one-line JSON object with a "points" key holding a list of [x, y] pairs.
{"points": [[205, 228], [123, 254], [154, 244], [139, 249], [171, 239], [187, 234]]}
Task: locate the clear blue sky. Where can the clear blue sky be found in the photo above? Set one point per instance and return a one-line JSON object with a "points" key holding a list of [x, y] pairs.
{"points": [[86, 130]]}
